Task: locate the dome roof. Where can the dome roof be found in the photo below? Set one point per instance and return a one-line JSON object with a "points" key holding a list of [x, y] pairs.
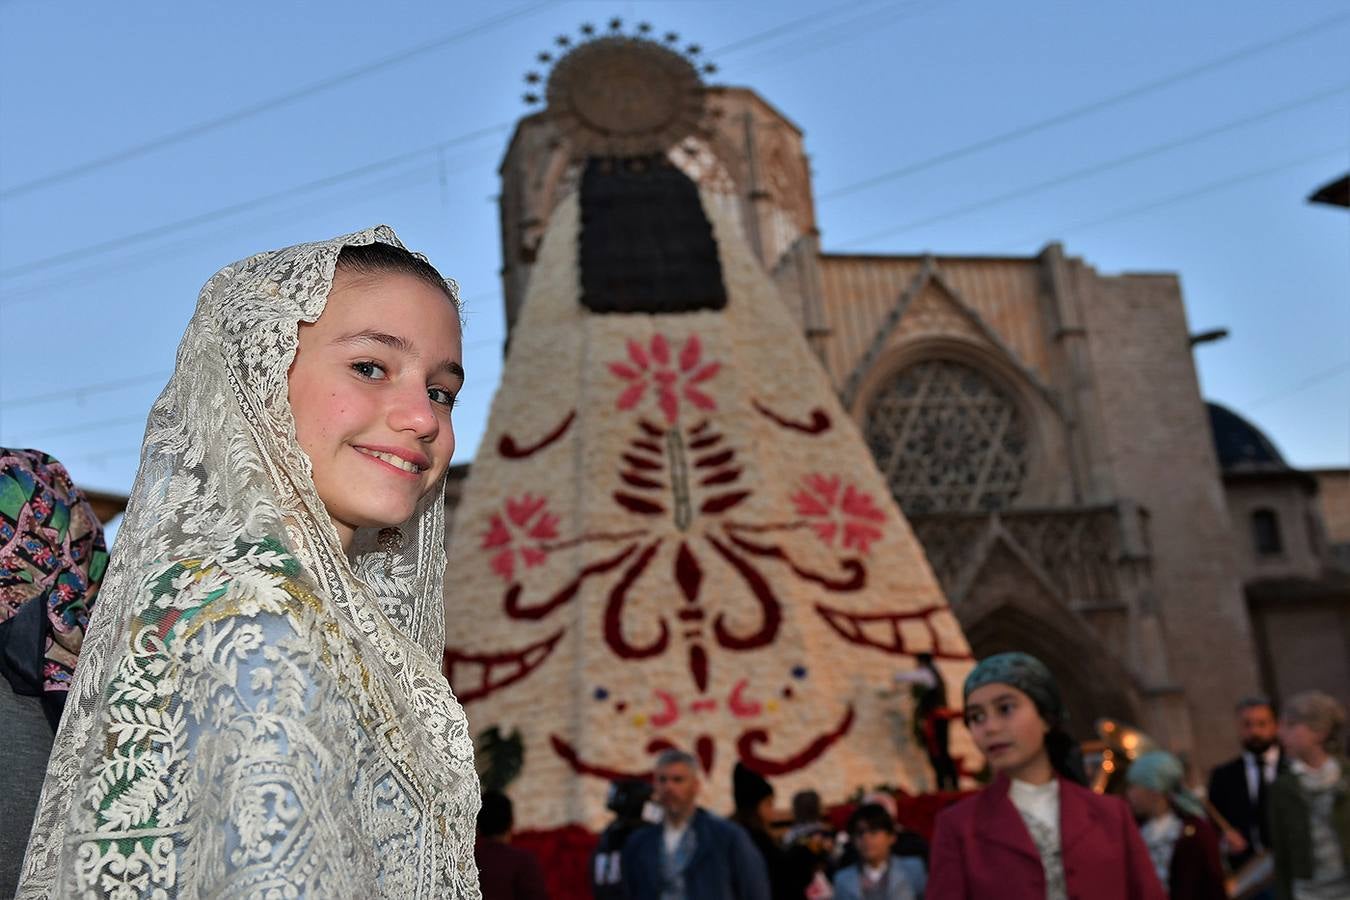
{"points": [[1241, 446]]}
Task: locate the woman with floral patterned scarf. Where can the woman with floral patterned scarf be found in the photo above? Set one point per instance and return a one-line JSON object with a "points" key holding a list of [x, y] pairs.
{"points": [[52, 559], [259, 709]]}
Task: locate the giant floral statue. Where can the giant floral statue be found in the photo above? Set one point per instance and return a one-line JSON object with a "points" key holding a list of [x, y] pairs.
{"points": [[673, 534]]}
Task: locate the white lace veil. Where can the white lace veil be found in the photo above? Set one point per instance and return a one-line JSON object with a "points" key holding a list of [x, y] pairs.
{"points": [[253, 714]]}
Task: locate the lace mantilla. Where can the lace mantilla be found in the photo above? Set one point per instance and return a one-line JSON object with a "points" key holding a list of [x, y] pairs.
{"points": [[253, 714]]}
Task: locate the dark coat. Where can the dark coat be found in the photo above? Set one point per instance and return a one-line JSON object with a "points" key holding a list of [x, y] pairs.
{"points": [[1196, 872], [607, 860], [1289, 820], [725, 864], [508, 873], [981, 849], [783, 877], [1228, 792]]}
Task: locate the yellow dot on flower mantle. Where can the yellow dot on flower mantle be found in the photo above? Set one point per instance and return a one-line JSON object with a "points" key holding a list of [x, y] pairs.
{"points": [[772, 705], [639, 720]]}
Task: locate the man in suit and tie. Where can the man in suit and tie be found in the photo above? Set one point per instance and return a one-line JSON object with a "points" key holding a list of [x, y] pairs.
{"points": [[1238, 788], [692, 854]]}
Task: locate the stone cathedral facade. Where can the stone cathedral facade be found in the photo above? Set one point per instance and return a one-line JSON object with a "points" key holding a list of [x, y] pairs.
{"points": [[1039, 423]]}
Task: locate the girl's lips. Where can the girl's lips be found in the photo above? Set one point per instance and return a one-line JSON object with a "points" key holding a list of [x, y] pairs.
{"points": [[415, 458], [996, 748], [390, 467]]}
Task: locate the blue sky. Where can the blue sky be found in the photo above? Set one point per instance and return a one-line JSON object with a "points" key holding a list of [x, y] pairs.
{"points": [[1183, 137]]}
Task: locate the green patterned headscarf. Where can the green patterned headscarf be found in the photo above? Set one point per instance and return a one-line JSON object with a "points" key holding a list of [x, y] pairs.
{"points": [[1026, 673], [1160, 771]]}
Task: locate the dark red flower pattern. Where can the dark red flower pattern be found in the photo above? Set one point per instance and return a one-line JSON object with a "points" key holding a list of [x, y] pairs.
{"points": [[849, 516], [519, 531], [673, 380]]}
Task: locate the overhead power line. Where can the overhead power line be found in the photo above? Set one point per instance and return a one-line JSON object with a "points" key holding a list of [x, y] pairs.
{"points": [[333, 180], [236, 208], [87, 426], [209, 125], [870, 22], [1098, 168], [85, 390], [388, 162], [768, 34], [1207, 188], [102, 455], [201, 128], [1315, 378], [383, 187], [1140, 90]]}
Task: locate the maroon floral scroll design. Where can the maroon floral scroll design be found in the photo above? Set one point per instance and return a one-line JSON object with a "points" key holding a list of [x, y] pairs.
{"points": [[684, 484], [883, 631], [498, 670], [509, 449]]}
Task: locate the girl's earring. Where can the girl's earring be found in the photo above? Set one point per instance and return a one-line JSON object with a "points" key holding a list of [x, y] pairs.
{"points": [[391, 542]]}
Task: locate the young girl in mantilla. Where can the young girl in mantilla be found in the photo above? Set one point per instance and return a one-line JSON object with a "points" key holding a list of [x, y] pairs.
{"points": [[259, 710]]}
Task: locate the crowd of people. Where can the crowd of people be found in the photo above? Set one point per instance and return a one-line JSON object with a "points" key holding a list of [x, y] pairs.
{"points": [[1282, 808], [257, 708]]}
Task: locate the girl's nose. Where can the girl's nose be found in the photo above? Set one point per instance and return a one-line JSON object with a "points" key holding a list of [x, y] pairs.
{"points": [[414, 411]]}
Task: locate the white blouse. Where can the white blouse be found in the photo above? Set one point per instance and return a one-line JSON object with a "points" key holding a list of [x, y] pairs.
{"points": [[1038, 804]]}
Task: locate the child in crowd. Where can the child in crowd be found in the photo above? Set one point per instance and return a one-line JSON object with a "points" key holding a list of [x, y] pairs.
{"points": [[1310, 802], [878, 875], [1180, 841], [1035, 831]]}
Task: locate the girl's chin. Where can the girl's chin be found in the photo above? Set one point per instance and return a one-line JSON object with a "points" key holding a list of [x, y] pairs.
{"points": [[386, 519]]}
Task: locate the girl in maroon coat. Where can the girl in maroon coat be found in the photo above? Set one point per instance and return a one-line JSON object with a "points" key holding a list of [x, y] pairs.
{"points": [[1036, 831]]}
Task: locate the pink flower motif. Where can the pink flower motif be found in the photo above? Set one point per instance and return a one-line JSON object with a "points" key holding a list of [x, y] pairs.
{"points": [[520, 531], [849, 515], [651, 366]]}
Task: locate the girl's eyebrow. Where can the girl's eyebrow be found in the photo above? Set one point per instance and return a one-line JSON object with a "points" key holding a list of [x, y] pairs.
{"points": [[454, 368], [379, 337]]}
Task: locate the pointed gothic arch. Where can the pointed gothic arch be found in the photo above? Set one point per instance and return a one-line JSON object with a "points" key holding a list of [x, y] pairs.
{"points": [[932, 326], [1008, 606]]}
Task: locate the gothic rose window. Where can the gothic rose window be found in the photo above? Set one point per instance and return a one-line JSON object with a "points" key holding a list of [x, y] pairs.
{"points": [[947, 439]]}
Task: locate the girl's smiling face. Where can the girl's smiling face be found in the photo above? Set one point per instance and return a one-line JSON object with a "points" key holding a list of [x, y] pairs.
{"points": [[371, 389], [1008, 729]]}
